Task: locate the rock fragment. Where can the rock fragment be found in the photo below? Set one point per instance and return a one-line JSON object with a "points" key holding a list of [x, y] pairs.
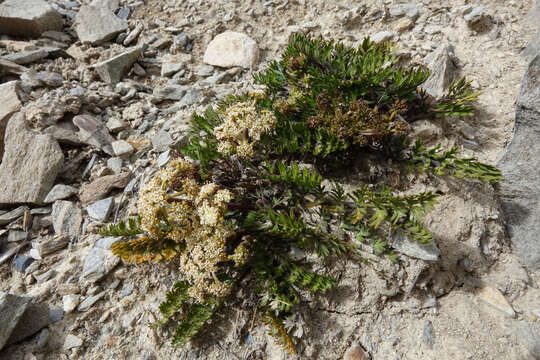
{"points": [[26, 57], [495, 298], [519, 188], [72, 341], [92, 131], [27, 152], [96, 24], [231, 49], [10, 104], [403, 244], [52, 245], [440, 63], [70, 302], [100, 187], [355, 352], [100, 261], [28, 18], [101, 209], [67, 218], [382, 36], [22, 263], [60, 192], [122, 148], [12, 215], [113, 70]]}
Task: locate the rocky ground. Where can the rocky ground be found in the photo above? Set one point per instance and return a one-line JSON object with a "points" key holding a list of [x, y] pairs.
{"points": [[93, 94]]}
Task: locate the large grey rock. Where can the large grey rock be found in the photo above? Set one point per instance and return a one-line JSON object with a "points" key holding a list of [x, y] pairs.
{"points": [[404, 245], [100, 261], [161, 141], [230, 49], [113, 70], [441, 64], [519, 189], [10, 104], [30, 164], [97, 24], [67, 218], [11, 310], [92, 131], [28, 18], [19, 318]]}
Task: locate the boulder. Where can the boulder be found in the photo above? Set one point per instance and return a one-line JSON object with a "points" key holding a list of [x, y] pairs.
{"points": [[231, 49], [28, 18], [113, 70], [10, 104], [97, 24], [28, 152], [441, 64], [519, 189]]}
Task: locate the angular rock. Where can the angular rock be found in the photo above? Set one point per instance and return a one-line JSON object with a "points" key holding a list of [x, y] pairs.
{"points": [[10, 104], [412, 11], [67, 218], [170, 92], [90, 301], [52, 245], [100, 261], [170, 68], [191, 97], [22, 263], [60, 192], [98, 24], [11, 310], [382, 36], [9, 68], [113, 70], [161, 141], [122, 148], [495, 298], [533, 48], [17, 235], [55, 315], [27, 152], [231, 49], [92, 131], [519, 188], [403, 244], [101, 209], [70, 302], [34, 318], [100, 187], [72, 341], [28, 18], [50, 78], [440, 63], [355, 352], [26, 57], [477, 17], [115, 164], [43, 338]]}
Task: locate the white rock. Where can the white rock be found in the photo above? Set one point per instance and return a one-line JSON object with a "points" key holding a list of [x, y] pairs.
{"points": [[382, 36], [70, 302], [122, 148], [495, 298], [72, 341], [230, 49]]}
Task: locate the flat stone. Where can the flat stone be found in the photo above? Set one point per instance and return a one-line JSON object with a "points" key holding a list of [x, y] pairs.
{"points": [[60, 192], [93, 132], [17, 235], [204, 70], [533, 48], [163, 158], [43, 338], [99, 188], [440, 63], [44, 276], [56, 315], [115, 124], [28, 152], [26, 57], [28, 18], [231, 49], [22, 263], [51, 245], [519, 188], [170, 92], [161, 141], [192, 96], [10, 68], [122, 148], [495, 298], [412, 11], [67, 218], [101, 209], [34, 318], [113, 70], [72, 341], [70, 302], [355, 352], [12, 215], [115, 164], [90, 301], [170, 68], [98, 24], [100, 261], [382, 36], [10, 104], [414, 249], [50, 78]]}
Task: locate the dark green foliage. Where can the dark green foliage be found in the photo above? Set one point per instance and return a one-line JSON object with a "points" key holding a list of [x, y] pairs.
{"points": [[328, 104], [123, 228]]}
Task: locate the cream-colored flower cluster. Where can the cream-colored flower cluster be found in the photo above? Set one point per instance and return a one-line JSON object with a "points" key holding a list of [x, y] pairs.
{"points": [[242, 129], [174, 206]]}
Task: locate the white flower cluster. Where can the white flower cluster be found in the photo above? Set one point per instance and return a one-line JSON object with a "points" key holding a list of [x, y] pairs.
{"points": [[242, 129]]}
